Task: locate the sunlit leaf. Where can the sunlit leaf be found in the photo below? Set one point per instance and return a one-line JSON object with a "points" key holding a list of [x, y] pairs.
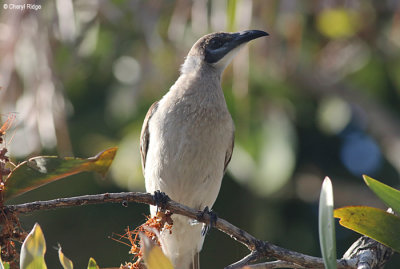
{"points": [[153, 255], [337, 22], [41, 170], [33, 250], [372, 222], [4, 265], [65, 262], [92, 264], [326, 225], [390, 196]]}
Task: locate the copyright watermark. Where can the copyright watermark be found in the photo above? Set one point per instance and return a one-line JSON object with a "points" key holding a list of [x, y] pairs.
{"points": [[22, 7]]}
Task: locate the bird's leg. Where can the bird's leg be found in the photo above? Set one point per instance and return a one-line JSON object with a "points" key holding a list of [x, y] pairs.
{"points": [[213, 219], [160, 199]]}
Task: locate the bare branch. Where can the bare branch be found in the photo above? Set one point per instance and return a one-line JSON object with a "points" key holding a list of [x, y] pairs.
{"points": [[259, 249], [274, 264], [369, 253]]}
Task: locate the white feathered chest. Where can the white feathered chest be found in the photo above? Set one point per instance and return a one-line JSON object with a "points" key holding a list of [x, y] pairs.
{"points": [[190, 135]]}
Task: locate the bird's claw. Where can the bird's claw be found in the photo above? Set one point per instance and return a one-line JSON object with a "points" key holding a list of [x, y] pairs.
{"points": [[213, 219], [160, 199]]}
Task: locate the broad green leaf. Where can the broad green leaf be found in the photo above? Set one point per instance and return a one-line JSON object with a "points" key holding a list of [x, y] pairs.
{"points": [[326, 225], [92, 264], [372, 222], [153, 255], [41, 170], [390, 196], [65, 262], [33, 250]]}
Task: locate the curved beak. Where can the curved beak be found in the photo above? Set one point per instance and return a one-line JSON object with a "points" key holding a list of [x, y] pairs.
{"points": [[246, 36], [236, 39]]}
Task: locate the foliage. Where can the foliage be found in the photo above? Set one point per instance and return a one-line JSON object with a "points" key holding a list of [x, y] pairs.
{"points": [[326, 225], [389, 195], [41, 170], [34, 248], [373, 222], [29, 175], [153, 255]]}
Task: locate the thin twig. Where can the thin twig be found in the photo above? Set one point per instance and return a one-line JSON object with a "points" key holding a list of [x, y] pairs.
{"points": [[245, 261]]}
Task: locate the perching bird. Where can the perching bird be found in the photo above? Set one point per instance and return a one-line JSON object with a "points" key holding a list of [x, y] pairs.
{"points": [[187, 140]]}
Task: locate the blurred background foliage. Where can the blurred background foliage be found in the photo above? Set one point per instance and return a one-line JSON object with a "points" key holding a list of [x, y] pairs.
{"points": [[318, 97]]}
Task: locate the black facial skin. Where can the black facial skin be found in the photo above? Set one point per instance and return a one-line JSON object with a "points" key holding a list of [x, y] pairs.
{"points": [[220, 44]]}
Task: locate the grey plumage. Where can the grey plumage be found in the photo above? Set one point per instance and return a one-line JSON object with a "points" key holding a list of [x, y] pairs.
{"points": [[187, 140]]}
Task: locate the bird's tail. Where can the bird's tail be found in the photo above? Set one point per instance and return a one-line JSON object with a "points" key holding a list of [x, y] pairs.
{"points": [[183, 243], [196, 261]]}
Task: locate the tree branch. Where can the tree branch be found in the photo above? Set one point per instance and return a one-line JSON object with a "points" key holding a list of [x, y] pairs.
{"points": [[274, 264], [259, 249]]}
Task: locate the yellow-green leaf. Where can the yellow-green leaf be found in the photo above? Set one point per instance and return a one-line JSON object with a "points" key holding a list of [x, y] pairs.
{"points": [[92, 264], [33, 250], [372, 222], [4, 265], [153, 255], [390, 196], [326, 225], [157, 260], [41, 170], [65, 262]]}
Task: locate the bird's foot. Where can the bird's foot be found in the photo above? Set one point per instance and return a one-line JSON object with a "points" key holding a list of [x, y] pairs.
{"points": [[161, 200], [213, 219]]}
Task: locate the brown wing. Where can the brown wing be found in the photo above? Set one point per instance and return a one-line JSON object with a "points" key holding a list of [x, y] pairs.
{"points": [[228, 154], [145, 134]]}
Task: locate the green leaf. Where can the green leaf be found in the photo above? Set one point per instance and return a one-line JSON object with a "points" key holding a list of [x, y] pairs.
{"points": [[41, 170], [372, 222], [92, 264], [65, 262], [33, 250], [390, 196], [4, 265], [326, 225], [153, 255]]}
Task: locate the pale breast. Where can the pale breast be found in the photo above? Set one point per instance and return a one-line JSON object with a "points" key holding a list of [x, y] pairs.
{"points": [[189, 141]]}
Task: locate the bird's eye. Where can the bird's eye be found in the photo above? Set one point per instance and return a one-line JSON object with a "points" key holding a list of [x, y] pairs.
{"points": [[215, 43]]}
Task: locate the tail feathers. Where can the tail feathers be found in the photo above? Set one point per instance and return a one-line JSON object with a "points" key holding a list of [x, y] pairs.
{"points": [[195, 262], [183, 243]]}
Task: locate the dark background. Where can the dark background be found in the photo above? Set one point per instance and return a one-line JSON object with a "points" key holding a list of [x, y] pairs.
{"points": [[318, 97]]}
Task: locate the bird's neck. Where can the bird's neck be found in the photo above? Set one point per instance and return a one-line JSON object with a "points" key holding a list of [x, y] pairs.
{"points": [[196, 65]]}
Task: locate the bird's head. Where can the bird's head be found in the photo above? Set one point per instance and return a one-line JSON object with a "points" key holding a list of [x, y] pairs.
{"points": [[218, 49]]}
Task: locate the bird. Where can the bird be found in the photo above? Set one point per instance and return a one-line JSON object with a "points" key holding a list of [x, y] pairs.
{"points": [[187, 140]]}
